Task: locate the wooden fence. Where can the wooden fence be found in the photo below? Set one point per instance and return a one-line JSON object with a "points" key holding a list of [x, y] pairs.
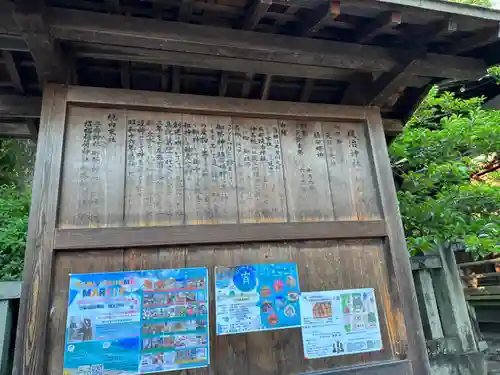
{"points": [[452, 340]]}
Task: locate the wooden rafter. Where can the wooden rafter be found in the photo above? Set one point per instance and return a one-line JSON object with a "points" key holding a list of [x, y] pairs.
{"points": [[253, 15], [485, 36], [13, 106], [390, 83], [10, 64], [382, 22], [306, 90], [193, 44], [185, 10], [320, 17], [246, 87], [223, 84], [48, 58], [266, 86]]}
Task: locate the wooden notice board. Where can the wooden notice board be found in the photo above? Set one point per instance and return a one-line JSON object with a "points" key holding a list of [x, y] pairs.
{"points": [[129, 180]]}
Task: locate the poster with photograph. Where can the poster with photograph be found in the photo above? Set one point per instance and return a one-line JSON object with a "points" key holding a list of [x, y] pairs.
{"points": [[339, 322], [256, 297], [137, 322]]}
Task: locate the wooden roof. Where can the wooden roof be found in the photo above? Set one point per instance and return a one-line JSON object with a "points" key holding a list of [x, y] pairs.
{"points": [[368, 52]]}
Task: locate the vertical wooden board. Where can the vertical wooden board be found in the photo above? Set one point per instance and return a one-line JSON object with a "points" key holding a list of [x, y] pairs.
{"points": [[278, 351], [228, 354], [66, 263], [209, 175], [353, 187], [93, 169], [323, 267], [154, 185], [140, 259], [259, 170], [306, 174]]}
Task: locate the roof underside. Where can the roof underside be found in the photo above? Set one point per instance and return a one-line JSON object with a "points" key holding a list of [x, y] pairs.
{"points": [[363, 52]]}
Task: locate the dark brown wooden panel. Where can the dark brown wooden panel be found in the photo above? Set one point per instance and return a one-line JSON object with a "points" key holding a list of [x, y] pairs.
{"points": [[92, 238]]}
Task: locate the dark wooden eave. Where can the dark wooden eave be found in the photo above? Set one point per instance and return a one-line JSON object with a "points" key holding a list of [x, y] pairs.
{"points": [[368, 52]]}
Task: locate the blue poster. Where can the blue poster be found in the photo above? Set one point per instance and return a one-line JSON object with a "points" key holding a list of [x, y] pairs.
{"points": [[137, 322], [256, 297]]}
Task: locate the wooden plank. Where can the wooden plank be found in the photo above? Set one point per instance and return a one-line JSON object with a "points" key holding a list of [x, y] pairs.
{"points": [[10, 290], [34, 304], [259, 170], [93, 171], [154, 182], [266, 86], [320, 17], [384, 21], [209, 175], [125, 75], [425, 262], [10, 129], [13, 72], [398, 257], [354, 193], [253, 15], [48, 58], [490, 290], [122, 31], [306, 173], [223, 84], [64, 264], [479, 263], [246, 87], [213, 105], [92, 238], [428, 306], [176, 79], [306, 90], [12, 106]]}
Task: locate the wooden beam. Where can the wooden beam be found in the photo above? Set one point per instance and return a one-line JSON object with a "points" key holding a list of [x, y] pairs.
{"points": [[10, 129], [266, 86], [246, 87], [306, 90], [10, 64], [482, 38], [46, 53], [319, 17], [252, 16], [185, 10], [13, 43], [391, 82], [392, 127], [200, 42], [382, 22], [223, 84], [12, 106], [106, 238]]}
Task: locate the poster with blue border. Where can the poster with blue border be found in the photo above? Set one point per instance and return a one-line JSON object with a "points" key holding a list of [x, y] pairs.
{"points": [[137, 322], [256, 297]]}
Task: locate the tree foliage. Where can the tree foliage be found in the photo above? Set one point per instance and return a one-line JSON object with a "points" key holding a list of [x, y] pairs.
{"points": [[447, 164], [481, 3], [16, 161]]}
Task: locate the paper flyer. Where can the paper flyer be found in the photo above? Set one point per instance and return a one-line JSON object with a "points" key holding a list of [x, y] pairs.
{"points": [[256, 297], [339, 322], [137, 322]]}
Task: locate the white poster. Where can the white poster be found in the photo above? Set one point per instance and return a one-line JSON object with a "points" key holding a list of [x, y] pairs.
{"points": [[339, 322]]}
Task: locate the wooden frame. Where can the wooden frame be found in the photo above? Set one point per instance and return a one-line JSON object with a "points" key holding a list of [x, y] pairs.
{"points": [[44, 237]]}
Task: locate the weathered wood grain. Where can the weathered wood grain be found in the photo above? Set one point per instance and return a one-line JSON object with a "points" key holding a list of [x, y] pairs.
{"points": [[209, 175], [66, 263], [154, 183], [397, 259], [88, 238], [259, 169], [93, 169], [306, 173], [37, 275]]}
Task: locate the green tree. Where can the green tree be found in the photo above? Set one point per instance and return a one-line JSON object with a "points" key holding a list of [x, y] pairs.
{"points": [[447, 167], [481, 3]]}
